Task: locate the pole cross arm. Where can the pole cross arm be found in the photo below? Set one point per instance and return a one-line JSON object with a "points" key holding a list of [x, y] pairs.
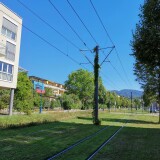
{"points": [[107, 55]]}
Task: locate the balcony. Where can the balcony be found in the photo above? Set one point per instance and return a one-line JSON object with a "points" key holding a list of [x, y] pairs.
{"points": [[10, 55], [2, 50], [6, 53], [6, 76]]}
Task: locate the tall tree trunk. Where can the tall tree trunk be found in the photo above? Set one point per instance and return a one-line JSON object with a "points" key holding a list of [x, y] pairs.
{"points": [[159, 104], [159, 97]]}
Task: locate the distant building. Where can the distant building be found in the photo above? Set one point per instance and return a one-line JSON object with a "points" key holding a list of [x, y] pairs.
{"points": [[20, 69], [10, 37], [57, 88]]}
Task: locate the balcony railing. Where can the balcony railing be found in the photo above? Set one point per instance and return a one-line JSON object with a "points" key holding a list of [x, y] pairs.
{"points": [[6, 76], [6, 53], [2, 50], [10, 55]]}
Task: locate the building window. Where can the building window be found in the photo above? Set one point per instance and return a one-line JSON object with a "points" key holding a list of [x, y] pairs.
{"points": [[10, 69], [6, 71], [9, 29], [4, 67], [10, 51], [0, 66]]}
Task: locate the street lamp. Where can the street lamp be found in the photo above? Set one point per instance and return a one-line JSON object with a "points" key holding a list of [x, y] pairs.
{"points": [[40, 108]]}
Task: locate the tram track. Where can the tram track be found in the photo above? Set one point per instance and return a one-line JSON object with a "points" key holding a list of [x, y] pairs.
{"points": [[104, 144], [110, 137], [77, 143]]}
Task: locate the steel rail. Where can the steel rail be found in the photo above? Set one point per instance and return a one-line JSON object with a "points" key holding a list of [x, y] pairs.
{"points": [[77, 143], [105, 142]]}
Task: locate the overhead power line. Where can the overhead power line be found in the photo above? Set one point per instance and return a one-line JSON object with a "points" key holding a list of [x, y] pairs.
{"points": [[68, 24], [49, 25], [44, 40], [72, 30], [101, 22], [45, 22], [109, 80], [47, 42], [118, 73], [110, 40], [107, 56], [116, 70], [82, 21]]}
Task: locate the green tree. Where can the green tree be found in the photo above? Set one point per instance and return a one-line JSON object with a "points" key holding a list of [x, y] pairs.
{"points": [[70, 101], [80, 83], [148, 98], [102, 94], [48, 92], [146, 46], [36, 99], [55, 103], [47, 98], [23, 99], [137, 103], [4, 98]]}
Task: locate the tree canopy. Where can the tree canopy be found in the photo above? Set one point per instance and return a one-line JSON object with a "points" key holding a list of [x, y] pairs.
{"points": [[146, 48], [23, 99], [81, 83]]}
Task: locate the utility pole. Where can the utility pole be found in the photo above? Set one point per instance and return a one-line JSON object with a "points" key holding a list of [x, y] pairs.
{"points": [[96, 75], [131, 101], [96, 67]]}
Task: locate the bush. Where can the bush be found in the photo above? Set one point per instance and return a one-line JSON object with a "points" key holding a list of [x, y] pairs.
{"points": [[55, 103], [102, 106], [4, 98], [46, 103], [70, 101]]}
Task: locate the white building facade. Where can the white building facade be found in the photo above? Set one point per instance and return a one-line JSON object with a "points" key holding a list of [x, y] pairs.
{"points": [[10, 38]]}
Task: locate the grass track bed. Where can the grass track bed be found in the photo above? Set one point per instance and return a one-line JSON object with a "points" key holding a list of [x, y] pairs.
{"points": [[138, 140], [83, 150]]}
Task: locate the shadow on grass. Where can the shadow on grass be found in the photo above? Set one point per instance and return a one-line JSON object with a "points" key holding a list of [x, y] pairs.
{"points": [[134, 144], [23, 125], [4, 114], [42, 140], [121, 120]]}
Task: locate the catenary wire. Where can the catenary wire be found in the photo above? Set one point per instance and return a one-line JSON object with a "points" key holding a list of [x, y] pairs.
{"points": [[47, 42], [116, 70], [69, 25], [82, 21], [109, 80], [40, 37], [107, 56], [49, 25], [45, 22]]}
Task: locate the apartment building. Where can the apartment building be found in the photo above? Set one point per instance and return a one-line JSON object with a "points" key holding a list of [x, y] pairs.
{"points": [[10, 37], [57, 88]]}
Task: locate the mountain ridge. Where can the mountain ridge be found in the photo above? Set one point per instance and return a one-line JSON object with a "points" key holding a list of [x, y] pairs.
{"points": [[127, 93]]}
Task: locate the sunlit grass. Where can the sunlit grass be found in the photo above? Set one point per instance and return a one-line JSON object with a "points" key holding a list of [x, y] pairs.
{"points": [[42, 135]]}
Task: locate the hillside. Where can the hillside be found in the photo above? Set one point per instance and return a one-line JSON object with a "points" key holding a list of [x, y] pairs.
{"points": [[127, 93]]}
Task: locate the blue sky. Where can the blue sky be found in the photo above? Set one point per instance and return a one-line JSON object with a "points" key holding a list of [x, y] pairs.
{"points": [[40, 59]]}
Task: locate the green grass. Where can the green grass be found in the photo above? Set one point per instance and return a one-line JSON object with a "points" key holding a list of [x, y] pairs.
{"points": [[40, 136]]}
